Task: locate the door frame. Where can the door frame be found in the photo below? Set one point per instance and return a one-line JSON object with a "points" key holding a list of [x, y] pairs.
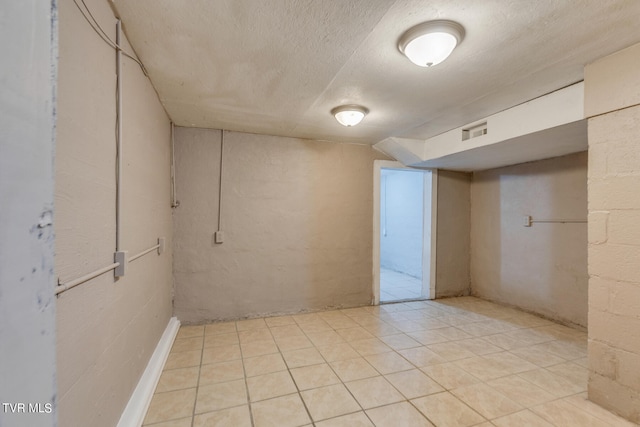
{"points": [[428, 261]]}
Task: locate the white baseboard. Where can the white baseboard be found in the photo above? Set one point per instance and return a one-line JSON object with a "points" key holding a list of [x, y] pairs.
{"points": [[136, 409]]}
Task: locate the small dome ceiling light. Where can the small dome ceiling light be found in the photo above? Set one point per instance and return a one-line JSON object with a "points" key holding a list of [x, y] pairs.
{"points": [[349, 115], [431, 42]]}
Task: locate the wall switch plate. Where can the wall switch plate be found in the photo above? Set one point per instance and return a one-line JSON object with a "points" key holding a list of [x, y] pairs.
{"points": [[526, 221], [219, 236]]}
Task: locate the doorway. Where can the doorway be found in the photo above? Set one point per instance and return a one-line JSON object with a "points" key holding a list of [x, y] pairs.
{"points": [[404, 233]]}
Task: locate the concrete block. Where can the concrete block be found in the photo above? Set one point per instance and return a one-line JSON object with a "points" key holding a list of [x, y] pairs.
{"points": [[617, 262], [621, 332], [614, 192], [597, 162], [597, 227], [599, 291], [624, 156], [624, 300], [628, 369], [603, 359], [615, 397], [624, 226]]}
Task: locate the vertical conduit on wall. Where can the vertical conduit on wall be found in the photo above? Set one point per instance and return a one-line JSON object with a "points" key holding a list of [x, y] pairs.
{"points": [[118, 133], [174, 198]]}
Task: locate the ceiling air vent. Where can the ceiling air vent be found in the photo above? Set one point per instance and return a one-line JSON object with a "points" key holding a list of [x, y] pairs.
{"points": [[474, 131]]}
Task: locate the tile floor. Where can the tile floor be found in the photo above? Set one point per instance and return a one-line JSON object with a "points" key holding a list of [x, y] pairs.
{"points": [[454, 362], [396, 286]]}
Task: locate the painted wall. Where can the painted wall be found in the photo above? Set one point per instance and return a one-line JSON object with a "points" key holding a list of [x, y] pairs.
{"points": [[542, 268], [452, 238], [107, 329], [402, 197], [298, 222], [612, 99], [27, 305]]}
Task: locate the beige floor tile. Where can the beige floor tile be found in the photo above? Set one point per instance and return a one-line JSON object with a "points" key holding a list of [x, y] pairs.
{"points": [[449, 376], [583, 361], [220, 328], [584, 405], [334, 352], [286, 331], [482, 368], [325, 338], [573, 372], [444, 409], [398, 414], [453, 333], [450, 351], [270, 385], [342, 323], [359, 419], [171, 405], [182, 422], [220, 396], [231, 417], [279, 321], [221, 372], [266, 364], [478, 329], [521, 391], [295, 342], [245, 325], [284, 411], [511, 363], [177, 379], [354, 334], [183, 359], [314, 376], [552, 383], [381, 329], [428, 337], [186, 344], [478, 346], [251, 335], [330, 401], [400, 341], [369, 346], [564, 349], [373, 392], [413, 383], [304, 357], [223, 353], [505, 342], [218, 340], [562, 413], [524, 418], [258, 348], [487, 401], [353, 369], [537, 356], [190, 331], [386, 363], [315, 326], [421, 356]]}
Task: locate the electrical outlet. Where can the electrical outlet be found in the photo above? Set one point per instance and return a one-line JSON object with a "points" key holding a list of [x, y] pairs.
{"points": [[526, 220], [219, 237]]}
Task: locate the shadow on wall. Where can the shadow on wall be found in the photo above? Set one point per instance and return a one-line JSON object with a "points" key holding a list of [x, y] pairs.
{"points": [[542, 268]]}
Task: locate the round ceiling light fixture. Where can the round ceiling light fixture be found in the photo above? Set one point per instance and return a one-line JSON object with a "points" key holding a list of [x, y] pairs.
{"points": [[431, 42], [349, 115]]}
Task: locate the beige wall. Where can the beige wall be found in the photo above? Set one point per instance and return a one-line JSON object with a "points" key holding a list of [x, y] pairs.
{"points": [[297, 217], [452, 247], [542, 268], [611, 102], [106, 329]]}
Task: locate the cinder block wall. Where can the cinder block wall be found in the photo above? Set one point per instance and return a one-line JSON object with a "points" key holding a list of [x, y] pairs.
{"points": [[612, 104]]}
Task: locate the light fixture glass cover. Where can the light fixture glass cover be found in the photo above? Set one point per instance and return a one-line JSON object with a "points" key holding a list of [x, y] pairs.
{"points": [[431, 42], [349, 115]]}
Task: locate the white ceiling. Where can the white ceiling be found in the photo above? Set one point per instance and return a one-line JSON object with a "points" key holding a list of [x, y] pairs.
{"points": [[278, 67]]}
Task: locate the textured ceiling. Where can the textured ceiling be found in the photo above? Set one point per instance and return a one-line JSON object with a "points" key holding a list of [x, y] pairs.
{"points": [[278, 67]]}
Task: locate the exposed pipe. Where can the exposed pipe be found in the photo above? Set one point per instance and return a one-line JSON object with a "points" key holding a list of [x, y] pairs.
{"points": [[220, 180], [135, 257], [174, 202], [118, 133], [66, 286]]}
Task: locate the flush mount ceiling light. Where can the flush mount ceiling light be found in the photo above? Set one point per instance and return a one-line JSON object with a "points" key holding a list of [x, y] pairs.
{"points": [[349, 115], [430, 43]]}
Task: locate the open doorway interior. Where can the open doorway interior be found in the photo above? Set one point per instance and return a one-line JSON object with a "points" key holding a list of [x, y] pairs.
{"points": [[403, 237]]}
